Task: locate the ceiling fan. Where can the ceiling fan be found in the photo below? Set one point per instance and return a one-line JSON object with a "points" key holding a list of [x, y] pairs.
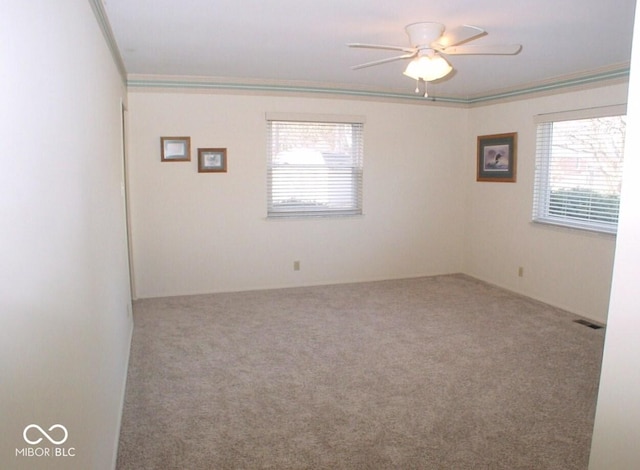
{"points": [[428, 42]]}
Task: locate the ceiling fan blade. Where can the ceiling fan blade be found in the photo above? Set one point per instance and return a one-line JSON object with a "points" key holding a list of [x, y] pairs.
{"points": [[384, 61], [459, 35], [382, 46], [506, 49]]}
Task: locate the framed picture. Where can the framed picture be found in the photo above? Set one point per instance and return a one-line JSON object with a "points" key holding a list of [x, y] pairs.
{"points": [[212, 160], [175, 149], [497, 157]]}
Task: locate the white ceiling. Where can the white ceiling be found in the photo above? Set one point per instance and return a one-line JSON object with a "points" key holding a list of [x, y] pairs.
{"points": [[304, 41]]}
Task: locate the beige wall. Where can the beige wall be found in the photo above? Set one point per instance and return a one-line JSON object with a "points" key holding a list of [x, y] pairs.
{"points": [[197, 233], [64, 293], [424, 212], [565, 267]]}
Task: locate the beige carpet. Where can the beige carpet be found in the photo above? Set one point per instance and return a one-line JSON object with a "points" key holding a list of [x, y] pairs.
{"points": [[440, 372]]}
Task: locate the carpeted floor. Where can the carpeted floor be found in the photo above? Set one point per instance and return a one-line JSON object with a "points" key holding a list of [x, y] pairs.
{"points": [[440, 372]]}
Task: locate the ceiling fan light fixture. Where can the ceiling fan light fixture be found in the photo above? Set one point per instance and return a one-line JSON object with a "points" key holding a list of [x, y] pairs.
{"points": [[428, 68]]}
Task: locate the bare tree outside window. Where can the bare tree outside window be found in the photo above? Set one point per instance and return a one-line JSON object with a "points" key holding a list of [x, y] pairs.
{"points": [[579, 172]]}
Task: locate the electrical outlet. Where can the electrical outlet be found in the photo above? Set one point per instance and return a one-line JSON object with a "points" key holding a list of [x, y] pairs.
{"points": [[296, 265], [520, 271]]}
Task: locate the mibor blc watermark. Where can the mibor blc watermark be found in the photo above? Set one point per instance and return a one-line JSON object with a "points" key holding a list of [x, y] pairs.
{"points": [[39, 440]]}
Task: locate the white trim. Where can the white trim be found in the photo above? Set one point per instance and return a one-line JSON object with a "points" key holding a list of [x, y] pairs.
{"points": [[586, 113], [123, 388], [576, 224], [303, 117]]}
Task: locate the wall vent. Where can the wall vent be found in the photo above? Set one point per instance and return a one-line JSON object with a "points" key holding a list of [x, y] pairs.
{"points": [[589, 324]]}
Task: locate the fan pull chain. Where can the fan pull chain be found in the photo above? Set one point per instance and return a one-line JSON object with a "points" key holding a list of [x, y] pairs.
{"points": [[426, 95]]}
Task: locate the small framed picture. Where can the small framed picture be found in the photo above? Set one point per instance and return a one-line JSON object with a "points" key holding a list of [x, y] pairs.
{"points": [[175, 149], [212, 160], [497, 157]]}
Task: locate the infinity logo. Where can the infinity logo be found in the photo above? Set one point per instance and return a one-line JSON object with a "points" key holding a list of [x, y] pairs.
{"points": [[42, 431]]}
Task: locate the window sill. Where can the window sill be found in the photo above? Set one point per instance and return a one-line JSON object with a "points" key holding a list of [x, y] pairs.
{"points": [[577, 225], [295, 216]]}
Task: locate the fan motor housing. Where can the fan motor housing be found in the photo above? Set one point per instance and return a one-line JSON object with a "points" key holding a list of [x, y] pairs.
{"points": [[423, 34]]}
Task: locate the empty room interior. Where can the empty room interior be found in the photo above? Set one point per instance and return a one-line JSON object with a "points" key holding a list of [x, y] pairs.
{"points": [[292, 235]]}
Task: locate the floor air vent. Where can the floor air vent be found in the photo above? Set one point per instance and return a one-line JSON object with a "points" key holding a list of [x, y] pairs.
{"points": [[588, 323]]}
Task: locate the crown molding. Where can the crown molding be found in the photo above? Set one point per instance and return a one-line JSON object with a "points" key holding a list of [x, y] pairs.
{"points": [[614, 74], [140, 82], [618, 73], [105, 27]]}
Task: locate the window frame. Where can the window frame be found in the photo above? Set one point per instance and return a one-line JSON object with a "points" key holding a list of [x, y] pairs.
{"points": [[355, 168], [541, 212]]}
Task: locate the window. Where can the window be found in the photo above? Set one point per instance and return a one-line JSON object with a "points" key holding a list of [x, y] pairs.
{"points": [[314, 165], [579, 169]]}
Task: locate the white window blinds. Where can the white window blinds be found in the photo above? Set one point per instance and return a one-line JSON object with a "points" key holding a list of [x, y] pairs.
{"points": [[314, 167], [579, 171]]}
